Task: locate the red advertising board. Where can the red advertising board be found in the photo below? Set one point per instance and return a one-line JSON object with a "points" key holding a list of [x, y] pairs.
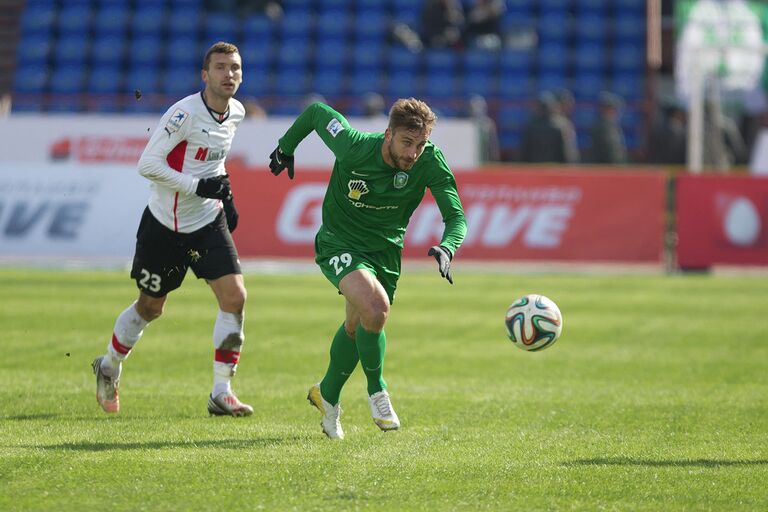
{"points": [[516, 215], [722, 220]]}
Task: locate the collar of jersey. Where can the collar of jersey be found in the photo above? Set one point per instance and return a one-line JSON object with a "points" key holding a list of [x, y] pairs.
{"points": [[217, 116]]}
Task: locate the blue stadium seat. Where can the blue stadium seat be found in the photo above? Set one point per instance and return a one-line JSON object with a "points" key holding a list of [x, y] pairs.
{"points": [[591, 6], [402, 84], [517, 60], [583, 116], [479, 82], [187, 4], [182, 51], [510, 140], [143, 78], [514, 85], [65, 103], [256, 82], [592, 26], [291, 82], [74, 18], [590, 56], [553, 56], [554, 26], [108, 49], [67, 79], [629, 28], [294, 54], [628, 57], [33, 48], [145, 49], [551, 80], [628, 85], [112, 17], [105, 80], [220, 27], [441, 61], [334, 24], [587, 85], [71, 48], [367, 55], [30, 78], [148, 18], [401, 59], [479, 60], [441, 84], [257, 28], [335, 4], [180, 81], [363, 82], [370, 24], [329, 81], [256, 56], [184, 22], [331, 54], [512, 117], [297, 25], [38, 19]]}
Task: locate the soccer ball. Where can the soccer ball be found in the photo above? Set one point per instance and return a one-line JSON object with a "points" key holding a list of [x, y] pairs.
{"points": [[533, 322]]}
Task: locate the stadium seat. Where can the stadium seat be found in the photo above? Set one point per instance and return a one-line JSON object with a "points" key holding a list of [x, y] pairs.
{"points": [[31, 78], [479, 82], [256, 82], [628, 85], [257, 28], [629, 28], [105, 80], [183, 22], [589, 56], [333, 24], [553, 56], [67, 79], [479, 60], [367, 55], [71, 48], [516, 60], [329, 81], [551, 80], [182, 51], [591, 26], [403, 60], [112, 18], [74, 18], [148, 18], [331, 54], [38, 19], [220, 27], [441, 84], [583, 116], [256, 55], [441, 61], [365, 81], [291, 81], [143, 78], [107, 49], [554, 26], [628, 57], [33, 48], [294, 54], [65, 103], [145, 49], [180, 81], [588, 84], [402, 83]]}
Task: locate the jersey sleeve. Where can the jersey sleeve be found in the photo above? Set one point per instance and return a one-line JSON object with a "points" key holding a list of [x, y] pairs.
{"points": [[442, 184], [330, 125], [153, 163]]}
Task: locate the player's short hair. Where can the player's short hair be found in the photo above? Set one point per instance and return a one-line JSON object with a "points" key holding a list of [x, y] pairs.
{"points": [[220, 47], [411, 114]]}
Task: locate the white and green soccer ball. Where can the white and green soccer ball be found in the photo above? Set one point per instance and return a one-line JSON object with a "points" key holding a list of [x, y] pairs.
{"points": [[533, 322]]}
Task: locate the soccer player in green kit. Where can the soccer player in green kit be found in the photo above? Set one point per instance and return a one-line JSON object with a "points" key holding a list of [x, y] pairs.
{"points": [[377, 182]]}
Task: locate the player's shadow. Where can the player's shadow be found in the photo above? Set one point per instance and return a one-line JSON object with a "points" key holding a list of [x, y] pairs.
{"points": [[629, 461], [230, 444]]}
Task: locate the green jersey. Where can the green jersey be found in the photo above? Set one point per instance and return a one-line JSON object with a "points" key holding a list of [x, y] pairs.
{"points": [[368, 203]]}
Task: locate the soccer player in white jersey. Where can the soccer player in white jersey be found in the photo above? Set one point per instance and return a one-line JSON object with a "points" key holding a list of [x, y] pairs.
{"points": [[187, 224]]}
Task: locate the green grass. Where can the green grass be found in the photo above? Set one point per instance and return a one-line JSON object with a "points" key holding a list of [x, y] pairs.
{"points": [[655, 398]]}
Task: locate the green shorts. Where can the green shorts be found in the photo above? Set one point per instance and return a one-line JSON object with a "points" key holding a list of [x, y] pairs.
{"points": [[337, 260]]}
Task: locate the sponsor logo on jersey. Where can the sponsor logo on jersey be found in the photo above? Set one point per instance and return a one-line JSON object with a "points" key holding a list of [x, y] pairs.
{"points": [[357, 188], [176, 120], [359, 173], [401, 178], [206, 155], [334, 127]]}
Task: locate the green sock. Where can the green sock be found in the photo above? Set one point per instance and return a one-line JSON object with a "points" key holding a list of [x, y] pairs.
{"points": [[371, 347], [343, 361]]}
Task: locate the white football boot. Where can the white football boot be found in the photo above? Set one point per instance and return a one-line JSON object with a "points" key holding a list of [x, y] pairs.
{"points": [[106, 388], [330, 421], [383, 414], [227, 404]]}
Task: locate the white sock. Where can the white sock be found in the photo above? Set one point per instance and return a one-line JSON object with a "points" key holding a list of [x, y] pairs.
{"points": [[227, 342], [129, 327]]}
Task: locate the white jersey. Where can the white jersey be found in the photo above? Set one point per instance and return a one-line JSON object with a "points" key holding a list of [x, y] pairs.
{"points": [[189, 143]]}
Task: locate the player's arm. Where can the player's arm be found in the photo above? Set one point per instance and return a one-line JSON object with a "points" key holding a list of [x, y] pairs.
{"points": [[153, 163], [330, 125], [443, 188]]}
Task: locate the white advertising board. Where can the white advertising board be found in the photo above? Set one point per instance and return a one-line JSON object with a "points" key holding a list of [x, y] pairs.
{"points": [[94, 138], [69, 211]]}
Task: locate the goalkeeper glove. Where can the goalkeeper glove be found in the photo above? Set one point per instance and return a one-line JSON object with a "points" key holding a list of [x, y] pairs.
{"points": [[279, 161], [231, 213], [443, 257], [214, 188]]}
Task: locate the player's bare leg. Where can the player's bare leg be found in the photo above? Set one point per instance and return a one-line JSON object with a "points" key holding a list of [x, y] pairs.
{"points": [[228, 340]]}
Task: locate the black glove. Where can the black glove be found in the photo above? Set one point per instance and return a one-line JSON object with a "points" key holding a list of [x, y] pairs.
{"points": [[231, 213], [443, 257], [279, 161], [214, 188]]}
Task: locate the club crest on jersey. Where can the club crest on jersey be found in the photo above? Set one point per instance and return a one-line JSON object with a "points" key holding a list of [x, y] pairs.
{"points": [[356, 189], [334, 127], [176, 120], [401, 178]]}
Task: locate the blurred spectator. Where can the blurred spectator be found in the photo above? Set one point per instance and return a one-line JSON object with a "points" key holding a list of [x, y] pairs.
{"points": [[565, 101], [488, 137], [442, 22], [669, 138], [403, 34], [758, 161], [564, 105], [484, 24], [608, 144], [5, 104], [374, 106], [311, 98], [253, 109], [723, 145], [545, 137]]}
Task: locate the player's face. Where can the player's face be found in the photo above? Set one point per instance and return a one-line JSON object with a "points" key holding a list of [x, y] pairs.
{"points": [[224, 74], [405, 146]]}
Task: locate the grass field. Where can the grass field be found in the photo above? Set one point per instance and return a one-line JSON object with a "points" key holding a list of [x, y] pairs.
{"points": [[655, 398]]}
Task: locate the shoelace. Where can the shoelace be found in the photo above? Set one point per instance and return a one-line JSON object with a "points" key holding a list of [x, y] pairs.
{"points": [[383, 405]]}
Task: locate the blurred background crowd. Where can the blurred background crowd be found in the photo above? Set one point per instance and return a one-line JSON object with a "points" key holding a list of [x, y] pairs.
{"points": [[571, 81]]}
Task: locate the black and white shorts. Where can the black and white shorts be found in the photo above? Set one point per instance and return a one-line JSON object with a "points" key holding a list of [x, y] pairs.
{"points": [[163, 256]]}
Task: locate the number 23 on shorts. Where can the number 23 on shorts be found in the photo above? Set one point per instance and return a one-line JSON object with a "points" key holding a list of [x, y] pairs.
{"points": [[340, 262]]}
